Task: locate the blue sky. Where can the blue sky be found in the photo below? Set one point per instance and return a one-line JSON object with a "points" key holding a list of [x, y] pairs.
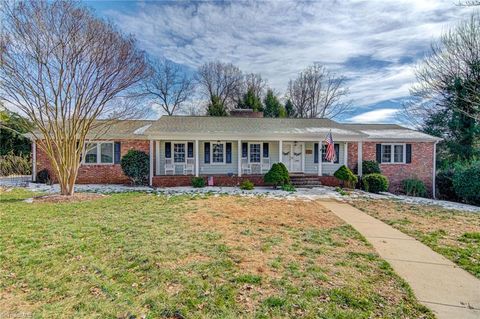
{"points": [[375, 44]]}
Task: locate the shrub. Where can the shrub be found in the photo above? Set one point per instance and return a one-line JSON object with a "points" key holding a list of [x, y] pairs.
{"points": [[370, 167], [414, 187], [466, 181], [444, 182], [375, 183], [135, 164], [246, 185], [198, 182], [277, 175], [44, 177], [346, 176], [12, 164], [288, 188]]}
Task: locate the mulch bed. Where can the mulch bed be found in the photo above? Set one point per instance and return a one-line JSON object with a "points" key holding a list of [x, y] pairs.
{"points": [[77, 197]]}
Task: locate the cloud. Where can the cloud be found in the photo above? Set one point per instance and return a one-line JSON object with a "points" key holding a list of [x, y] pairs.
{"points": [[377, 116], [375, 44]]}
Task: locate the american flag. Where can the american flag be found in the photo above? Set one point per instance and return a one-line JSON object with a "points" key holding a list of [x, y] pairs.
{"points": [[330, 154]]}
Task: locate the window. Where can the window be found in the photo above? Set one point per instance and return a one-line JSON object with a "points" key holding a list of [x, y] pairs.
{"points": [[336, 147], [218, 153], [179, 152], [255, 153], [99, 153], [393, 153]]}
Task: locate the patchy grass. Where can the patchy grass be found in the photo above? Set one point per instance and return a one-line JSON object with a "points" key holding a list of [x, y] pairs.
{"points": [[455, 235], [132, 255]]}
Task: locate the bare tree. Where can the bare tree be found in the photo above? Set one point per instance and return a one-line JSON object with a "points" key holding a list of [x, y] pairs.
{"points": [[169, 85], [65, 69], [449, 78], [255, 82], [222, 80], [317, 92]]}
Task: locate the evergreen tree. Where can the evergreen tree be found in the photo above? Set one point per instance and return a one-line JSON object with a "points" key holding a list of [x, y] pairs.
{"points": [[272, 105], [12, 126], [216, 107], [289, 109], [250, 101]]}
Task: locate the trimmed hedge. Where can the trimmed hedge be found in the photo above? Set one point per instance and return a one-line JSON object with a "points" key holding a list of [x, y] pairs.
{"points": [[346, 176], [277, 175], [198, 182], [135, 164], [370, 167], [247, 185], [466, 181], [414, 187], [375, 183]]}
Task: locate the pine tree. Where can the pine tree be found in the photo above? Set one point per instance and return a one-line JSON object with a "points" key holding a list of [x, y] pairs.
{"points": [[272, 105], [289, 109], [216, 107], [250, 101]]}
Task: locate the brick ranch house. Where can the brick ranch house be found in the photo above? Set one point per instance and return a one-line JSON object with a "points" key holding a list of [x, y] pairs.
{"points": [[244, 146]]}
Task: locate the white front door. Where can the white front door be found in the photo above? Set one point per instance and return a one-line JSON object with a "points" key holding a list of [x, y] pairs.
{"points": [[292, 156]]}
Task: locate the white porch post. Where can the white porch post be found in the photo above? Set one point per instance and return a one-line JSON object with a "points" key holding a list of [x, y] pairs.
{"points": [[280, 150], [320, 159], [34, 160], [360, 158], [434, 169], [151, 164], [345, 154], [197, 161], [157, 158], [239, 157]]}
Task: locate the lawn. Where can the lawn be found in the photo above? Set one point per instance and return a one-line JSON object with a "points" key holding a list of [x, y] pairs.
{"points": [[137, 255], [454, 234]]}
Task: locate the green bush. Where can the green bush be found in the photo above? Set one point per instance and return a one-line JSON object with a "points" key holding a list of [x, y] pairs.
{"points": [[414, 187], [466, 181], [135, 164], [444, 182], [11, 164], [375, 183], [198, 182], [370, 167], [346, 176], [288, 188], [44, 177], [246, 185], [277, 175]]}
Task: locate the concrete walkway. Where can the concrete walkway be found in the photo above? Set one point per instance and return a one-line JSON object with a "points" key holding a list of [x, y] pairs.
{"points": [[449, 291]]}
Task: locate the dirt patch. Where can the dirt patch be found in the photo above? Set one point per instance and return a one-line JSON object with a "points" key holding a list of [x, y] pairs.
{"points": [[56, 198], [14, 306]]}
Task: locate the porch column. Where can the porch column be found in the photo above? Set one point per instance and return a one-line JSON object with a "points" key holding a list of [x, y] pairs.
{"points": [[34, 160], [345, 154], [157, 158], [280, 151], [197, 161], [360, 157], [239, 157], [320, 159], [151, 164]]}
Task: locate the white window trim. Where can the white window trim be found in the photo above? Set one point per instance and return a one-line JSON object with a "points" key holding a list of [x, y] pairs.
{"points": [[392, 158], [185, 147], [261, 152], [99, 154], [224, 153]]}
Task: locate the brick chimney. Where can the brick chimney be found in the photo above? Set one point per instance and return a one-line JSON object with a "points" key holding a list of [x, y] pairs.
{"points": [[245, 113]]}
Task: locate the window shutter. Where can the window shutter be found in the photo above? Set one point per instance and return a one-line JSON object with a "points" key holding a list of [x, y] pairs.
{"points": [[336, 147], [315, 152], [266, 150], [244, 149], [116, 152], [190, 150], [168, 150], [408, 153], [228, 152], [206, 155], [379, 153]]}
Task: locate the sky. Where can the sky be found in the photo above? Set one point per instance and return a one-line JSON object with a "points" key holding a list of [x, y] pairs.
{"points": [[374, 44]]}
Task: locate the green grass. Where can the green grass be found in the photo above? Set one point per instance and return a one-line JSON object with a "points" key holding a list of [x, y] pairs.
{"points": [[137, 255]]}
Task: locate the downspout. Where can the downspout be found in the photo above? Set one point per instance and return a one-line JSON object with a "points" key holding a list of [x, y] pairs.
{"points": [[434, 191], [34, 160]]}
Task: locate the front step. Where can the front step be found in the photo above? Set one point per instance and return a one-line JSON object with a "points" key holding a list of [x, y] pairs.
{"points": [[305, 181]]}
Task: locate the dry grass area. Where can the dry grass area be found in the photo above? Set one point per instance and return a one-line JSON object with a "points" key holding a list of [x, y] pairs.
{"points": [[454, 234], [146, 256], [77, 197]]}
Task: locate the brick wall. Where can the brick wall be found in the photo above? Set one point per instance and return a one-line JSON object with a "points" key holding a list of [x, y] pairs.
{"points": [[352, 155], [218, 180], [421, 166], [98, 174]]}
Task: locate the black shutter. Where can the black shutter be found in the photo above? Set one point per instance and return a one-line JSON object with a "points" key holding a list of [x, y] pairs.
{"points": [[228, 152], [206, 155], [190, 150], [337, 153], [323, 153], [168, 150], [265, 150], [117, 152], [408, 153], [315, 152], [379, 153], [244, 149]]}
